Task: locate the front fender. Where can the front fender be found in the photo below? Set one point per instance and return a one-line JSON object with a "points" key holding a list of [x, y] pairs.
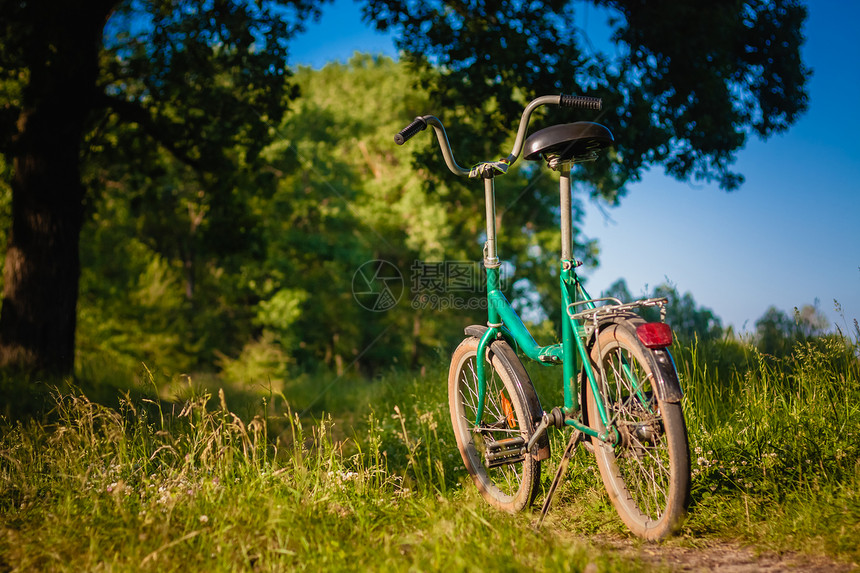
{"points": [[525, 388]]}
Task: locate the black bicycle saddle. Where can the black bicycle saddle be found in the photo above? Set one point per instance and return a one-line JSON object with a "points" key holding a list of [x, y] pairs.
{"points": [[580, 140]]}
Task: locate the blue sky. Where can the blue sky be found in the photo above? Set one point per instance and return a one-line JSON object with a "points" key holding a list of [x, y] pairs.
{"points": [[788, 237]]}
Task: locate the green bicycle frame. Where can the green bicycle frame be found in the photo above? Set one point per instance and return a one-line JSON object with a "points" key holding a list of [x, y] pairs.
{"points": [[503, 321]]}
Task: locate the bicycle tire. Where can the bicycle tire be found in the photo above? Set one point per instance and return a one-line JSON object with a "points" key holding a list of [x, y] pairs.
{"points": [[647, 475], [511, 487]]}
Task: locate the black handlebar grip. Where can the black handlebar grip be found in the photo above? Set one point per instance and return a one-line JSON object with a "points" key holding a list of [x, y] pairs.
{"points": [[418, 124], [583, 102]]}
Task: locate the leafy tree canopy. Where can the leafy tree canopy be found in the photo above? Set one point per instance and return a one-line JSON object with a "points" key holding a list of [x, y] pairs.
{"points": [[777, 333], [199, 79], [173, 103], [328, 193], [689, 83]]}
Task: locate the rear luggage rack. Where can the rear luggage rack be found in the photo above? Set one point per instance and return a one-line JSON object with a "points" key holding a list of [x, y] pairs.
{"points": [[612, 308]]}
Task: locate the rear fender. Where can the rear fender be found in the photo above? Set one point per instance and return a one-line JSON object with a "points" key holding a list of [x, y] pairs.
{"points": [[666, 382]]}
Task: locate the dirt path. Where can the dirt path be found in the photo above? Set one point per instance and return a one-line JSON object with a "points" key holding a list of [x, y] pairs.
{"points": [[724, 557]]}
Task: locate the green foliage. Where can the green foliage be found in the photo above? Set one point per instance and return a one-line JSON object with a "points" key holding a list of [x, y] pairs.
{"points": [[263, 360], [140, 80], [686, 85], [132, 306], [329, 195], [280, 313], [780, 437], [201, 77], [774, 332]]}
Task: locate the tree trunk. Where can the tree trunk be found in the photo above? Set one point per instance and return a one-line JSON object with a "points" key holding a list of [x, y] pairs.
{"points": [[416, 339], [40, 291], [42, 269]]}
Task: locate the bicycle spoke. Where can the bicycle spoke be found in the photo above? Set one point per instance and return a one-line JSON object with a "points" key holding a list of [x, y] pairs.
{"points": [[494, 426], [653, 484], [643, 466]]}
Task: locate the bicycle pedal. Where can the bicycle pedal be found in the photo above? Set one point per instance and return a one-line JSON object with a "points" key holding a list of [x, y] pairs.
{"points": [[504, 452]]}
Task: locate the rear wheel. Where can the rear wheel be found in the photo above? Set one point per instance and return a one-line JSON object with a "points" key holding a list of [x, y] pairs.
{"points": [[512, 484], [647, 470]]}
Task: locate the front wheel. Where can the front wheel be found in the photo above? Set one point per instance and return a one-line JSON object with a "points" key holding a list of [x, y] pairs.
{"points": [[647, 469], [509, 484]]}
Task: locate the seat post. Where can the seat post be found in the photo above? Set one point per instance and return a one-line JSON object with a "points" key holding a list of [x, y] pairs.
{"points": [[566, 222], [491, 256]]}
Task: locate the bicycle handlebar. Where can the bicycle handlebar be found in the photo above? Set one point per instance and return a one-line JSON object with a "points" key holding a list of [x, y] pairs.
{"points": [[405, 134], [584, 102], [420, 123]]}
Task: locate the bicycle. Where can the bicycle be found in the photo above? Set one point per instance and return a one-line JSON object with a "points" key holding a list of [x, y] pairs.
{"points": [[621, 393]]}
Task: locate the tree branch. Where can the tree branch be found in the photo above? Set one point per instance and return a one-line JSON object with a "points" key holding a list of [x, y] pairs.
{"points": [[133, 112]]}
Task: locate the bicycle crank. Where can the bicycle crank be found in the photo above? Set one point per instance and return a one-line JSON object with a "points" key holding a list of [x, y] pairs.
{"points": [[513, 450]]}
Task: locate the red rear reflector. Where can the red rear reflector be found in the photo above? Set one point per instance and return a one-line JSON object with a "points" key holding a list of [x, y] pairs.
{"points": [[654, 334]]}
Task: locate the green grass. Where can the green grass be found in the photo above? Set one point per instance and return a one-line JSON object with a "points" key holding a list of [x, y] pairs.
{"points": [[776, 449], [346, 473], [136, 489]]}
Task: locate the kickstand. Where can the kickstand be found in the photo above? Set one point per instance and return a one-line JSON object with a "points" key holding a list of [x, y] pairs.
{"points": [[575, 438]]}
